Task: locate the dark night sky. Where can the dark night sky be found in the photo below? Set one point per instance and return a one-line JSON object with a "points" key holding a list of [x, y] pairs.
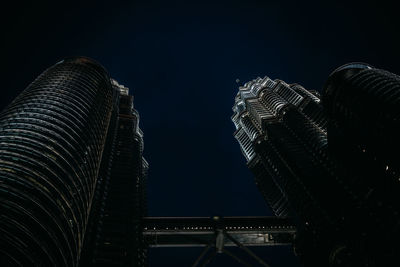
{"points": [[181, 61]]}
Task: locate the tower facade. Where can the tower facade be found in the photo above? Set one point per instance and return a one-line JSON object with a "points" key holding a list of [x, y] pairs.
{"points": [[57, 140], [310, 162], [115, 237]]}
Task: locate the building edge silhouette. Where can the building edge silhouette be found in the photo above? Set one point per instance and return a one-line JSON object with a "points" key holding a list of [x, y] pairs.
{"points": [[70, 149], [331, 165], [73, 176]]}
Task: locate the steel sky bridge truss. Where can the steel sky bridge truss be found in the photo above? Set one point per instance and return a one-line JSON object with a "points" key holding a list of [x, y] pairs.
{"points": [[218, 233]]}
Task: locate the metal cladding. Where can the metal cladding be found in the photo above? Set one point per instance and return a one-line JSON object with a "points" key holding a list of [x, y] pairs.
{"points": [[263, 107], [363, 104], [115, 237], [52, 138], [331, 165]]}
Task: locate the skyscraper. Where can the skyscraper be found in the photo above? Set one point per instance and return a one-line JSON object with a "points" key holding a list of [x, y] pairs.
{"points": [[331, 166], [71, 171]]}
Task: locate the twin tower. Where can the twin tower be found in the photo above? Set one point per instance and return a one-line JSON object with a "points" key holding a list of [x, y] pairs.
{"points": [[72, 174]]}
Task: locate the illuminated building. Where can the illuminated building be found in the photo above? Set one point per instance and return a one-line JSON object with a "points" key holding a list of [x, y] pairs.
{"points": [[331, 165], [72, 172]]}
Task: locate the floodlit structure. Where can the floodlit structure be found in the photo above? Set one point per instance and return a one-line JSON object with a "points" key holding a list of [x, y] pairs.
{"points": [[331, 165], [73, 178], [72, 181], [72, 174]]}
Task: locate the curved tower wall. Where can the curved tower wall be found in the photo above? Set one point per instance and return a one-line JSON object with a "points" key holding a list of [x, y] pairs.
{"points": [[363, 104], [51, 142], [331, 165]]}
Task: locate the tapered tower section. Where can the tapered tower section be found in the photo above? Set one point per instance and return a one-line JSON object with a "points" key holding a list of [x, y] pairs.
{"points": [[51, 143], [331, 165], [114, 235]]}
